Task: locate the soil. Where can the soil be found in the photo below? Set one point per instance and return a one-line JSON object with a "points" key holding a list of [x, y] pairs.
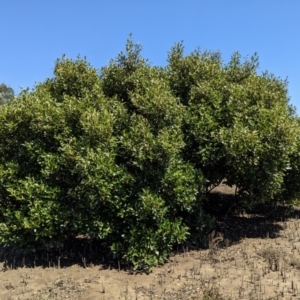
{"points": [[247, 256]]}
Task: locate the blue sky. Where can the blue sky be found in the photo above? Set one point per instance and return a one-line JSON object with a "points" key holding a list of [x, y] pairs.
{"points": [[34, 33]]}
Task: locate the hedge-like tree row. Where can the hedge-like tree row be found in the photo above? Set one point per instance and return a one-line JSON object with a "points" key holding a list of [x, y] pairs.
{"points": [[128, 154]]}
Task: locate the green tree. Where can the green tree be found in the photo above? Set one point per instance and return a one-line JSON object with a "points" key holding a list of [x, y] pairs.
{"points": [[6, 93], [164, 189], [128, 155], [75, 161], [57, 141], [239, 124]]}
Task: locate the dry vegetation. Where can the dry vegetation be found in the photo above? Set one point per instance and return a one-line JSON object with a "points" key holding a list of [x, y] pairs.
{"points": [[248, 256]]}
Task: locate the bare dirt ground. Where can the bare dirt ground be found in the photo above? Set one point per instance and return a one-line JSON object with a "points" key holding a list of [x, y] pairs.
{"points": [[248, 256]]}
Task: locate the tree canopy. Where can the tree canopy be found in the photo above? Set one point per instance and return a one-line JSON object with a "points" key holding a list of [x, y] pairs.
{"points": [[128, 154]]}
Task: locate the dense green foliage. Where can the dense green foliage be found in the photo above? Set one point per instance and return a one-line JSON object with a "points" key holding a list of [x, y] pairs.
{"points": [[127, 155], [239, 124]]}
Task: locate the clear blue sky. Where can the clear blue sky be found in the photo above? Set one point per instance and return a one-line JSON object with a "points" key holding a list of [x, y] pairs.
{"points": [[34, 33]]}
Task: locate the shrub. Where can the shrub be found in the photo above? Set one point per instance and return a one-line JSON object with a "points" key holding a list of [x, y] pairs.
{"points": [[127, 155], [239, 125]]}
